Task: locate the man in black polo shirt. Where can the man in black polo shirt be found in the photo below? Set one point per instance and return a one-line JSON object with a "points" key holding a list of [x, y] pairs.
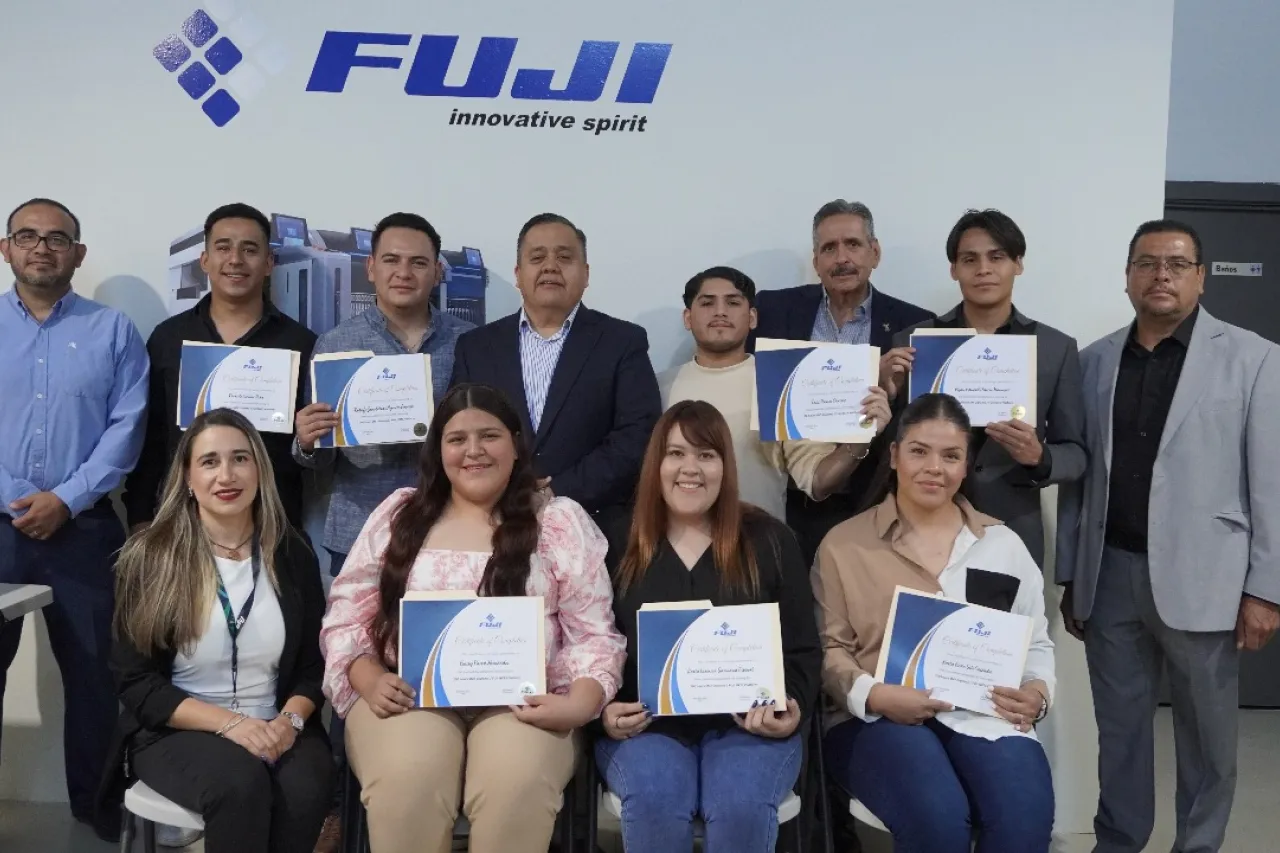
{"points": [[1009, 462], [237, 258]]}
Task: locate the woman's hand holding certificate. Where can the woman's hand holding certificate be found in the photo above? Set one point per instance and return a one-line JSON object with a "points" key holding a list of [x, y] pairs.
{"points": [[905, 705], [768, 720]]}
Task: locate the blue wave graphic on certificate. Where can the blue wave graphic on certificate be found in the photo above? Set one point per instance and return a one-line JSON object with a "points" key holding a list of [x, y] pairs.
{"points": [[917, 620], [256, 382], [378, 399], [196, 382], [700, 660], [933, 361], [813, 393], [462, 651], [425, 625]]}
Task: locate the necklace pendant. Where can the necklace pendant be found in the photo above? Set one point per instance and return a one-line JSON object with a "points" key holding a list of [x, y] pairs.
{"points": [[235, 704]]}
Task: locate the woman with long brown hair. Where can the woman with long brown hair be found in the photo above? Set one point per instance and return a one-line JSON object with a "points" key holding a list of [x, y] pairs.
{"points": [[217, 651], [691, 538], [473, 522]]}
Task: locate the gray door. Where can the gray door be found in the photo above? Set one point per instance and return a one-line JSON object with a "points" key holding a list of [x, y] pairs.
{"points": [[1239, 225]]}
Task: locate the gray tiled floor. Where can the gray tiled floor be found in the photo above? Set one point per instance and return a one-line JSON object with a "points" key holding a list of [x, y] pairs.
{"points": [[1255, 825]]}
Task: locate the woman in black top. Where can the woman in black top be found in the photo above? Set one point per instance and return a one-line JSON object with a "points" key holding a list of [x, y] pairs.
{"points": [[217, 651], [692, 539]]}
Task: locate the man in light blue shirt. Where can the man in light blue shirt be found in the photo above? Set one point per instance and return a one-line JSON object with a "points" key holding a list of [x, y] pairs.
{"points": [[74, 375]]}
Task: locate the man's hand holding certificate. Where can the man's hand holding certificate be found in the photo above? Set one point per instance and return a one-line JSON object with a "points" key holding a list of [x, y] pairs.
{"points": [[373, 399], [992, 376], [814, 391], [955, 651], [260, 384]]}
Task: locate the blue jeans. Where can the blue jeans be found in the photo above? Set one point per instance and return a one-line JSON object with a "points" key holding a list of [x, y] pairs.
{"points": [[930, 786], [734, 779]]}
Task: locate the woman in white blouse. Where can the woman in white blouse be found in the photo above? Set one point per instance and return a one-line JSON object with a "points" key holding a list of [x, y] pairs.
{"points": [[217, 652], [930, 772]]}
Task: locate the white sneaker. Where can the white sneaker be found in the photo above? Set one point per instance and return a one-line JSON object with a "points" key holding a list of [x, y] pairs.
{"points": [[176, 836]]}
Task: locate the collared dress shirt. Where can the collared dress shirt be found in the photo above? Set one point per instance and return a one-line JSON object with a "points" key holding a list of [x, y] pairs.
{"points": [[856, 331], [74, 401], [538, 359]]}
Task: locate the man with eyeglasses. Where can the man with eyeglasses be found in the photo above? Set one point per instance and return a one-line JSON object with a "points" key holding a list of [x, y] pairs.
{"points": [[74, 379], [1169, 548]]}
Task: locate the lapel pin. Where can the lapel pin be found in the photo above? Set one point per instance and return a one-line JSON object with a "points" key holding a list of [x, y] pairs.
{"points": [[886, 327]]}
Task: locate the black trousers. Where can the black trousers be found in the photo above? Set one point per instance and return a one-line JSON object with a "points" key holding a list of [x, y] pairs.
{"points": [[248, 806], [78, 563]]}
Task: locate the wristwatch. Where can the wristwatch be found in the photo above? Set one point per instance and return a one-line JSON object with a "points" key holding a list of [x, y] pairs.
{"points": [[294, 720]]}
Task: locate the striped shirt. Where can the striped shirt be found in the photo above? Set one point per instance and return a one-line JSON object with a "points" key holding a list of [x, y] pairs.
{"points": [[538, 359], [856, 331]]}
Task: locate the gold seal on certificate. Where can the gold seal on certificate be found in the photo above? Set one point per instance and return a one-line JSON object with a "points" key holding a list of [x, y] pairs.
{"points": [[866, 422], [1019, 412]]}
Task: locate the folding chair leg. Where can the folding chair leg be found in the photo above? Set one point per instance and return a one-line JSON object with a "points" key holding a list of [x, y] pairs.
{"points": [[127, 828], [148, 836]]}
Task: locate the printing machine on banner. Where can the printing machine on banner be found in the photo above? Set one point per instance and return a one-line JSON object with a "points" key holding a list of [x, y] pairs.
{"points": [[320, 278]]}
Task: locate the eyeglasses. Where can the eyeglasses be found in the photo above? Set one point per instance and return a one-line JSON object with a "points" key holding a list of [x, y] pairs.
{"points": [[1177, 267], [55, 240]]}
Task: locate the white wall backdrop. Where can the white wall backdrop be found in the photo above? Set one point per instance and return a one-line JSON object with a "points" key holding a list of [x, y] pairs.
{"points": [[1224, 118], [1054, 112]]}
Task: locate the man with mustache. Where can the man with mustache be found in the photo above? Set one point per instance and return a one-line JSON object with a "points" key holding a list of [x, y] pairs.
{"points": [[582, 380], [845, 308], [1169, 548], [73, 374]]}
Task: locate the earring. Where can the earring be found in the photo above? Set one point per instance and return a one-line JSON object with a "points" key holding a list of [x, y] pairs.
{"points": [[190, 493]]}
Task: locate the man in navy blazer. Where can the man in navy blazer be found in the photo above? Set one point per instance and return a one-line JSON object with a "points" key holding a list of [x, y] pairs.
{"points": [[846, 309], [582, 380]]}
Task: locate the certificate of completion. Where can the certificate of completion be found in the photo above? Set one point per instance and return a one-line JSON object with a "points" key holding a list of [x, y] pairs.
{"points": [[993, 376], [261, 384], [957, 650], [379, 399], [458, 650], [814, 390], [693, 658]]}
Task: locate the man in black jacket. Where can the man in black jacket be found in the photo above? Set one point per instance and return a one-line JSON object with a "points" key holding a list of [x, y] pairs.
{"points": [[581, 380], [845, 308], [238, 310]]}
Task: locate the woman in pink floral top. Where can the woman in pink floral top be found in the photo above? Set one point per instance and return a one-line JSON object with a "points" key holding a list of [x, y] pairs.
{"points": [[473, 522]]}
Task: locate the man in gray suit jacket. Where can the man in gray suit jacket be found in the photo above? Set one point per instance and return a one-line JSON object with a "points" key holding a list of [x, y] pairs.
{"points": [[1010, 462], [1169, 548]]}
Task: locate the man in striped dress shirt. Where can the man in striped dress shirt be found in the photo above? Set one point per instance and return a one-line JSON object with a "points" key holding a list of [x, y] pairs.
{"points": [[582, 380]]}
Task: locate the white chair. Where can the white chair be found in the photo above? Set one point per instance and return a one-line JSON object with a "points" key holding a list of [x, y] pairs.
{"points": [[146, 805], [787, 812], [862, 814]]}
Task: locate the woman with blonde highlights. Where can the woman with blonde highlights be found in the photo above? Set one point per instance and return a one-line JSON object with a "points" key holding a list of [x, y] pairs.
{"points": [[217, 655]]}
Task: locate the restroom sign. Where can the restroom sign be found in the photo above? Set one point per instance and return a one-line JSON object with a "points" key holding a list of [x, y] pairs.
{"points": [[1233, 268]]}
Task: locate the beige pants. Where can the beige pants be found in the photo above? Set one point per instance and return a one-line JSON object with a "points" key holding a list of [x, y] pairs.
{"points": [[419, 770]]}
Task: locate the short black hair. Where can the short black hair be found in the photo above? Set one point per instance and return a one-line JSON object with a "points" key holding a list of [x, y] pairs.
{"points": [[8, 225], [736, 277], [1000, 227], [413, 222], [1167, 226], [550, 219], [239, 210]]}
